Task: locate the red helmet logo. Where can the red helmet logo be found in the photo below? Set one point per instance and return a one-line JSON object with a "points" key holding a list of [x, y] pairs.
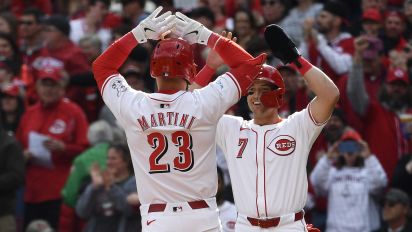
{"points": [[173, 58]]}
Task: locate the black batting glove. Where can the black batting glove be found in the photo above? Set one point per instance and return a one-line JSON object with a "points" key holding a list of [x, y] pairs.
{"points": [[281, 44]]}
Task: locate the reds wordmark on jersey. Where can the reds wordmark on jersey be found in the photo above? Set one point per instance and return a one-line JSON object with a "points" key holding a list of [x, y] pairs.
{"points": [[166, 134], [259, 157]]}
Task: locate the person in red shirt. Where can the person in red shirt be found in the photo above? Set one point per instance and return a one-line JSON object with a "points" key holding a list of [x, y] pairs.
{"points": [[65, 125], [380, 115], [59, 51]]}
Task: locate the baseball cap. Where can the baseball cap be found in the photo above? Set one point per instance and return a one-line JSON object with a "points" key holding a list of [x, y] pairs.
{"points": [[351, 135], [372, 15], [397, 196], [60, 22], [397, 74], [394, 13], [11, 90], [337, 8], [52, 73], [349, 142]]}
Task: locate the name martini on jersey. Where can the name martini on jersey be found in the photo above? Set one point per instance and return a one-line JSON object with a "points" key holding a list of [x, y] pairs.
{"points": [[167, 119]]}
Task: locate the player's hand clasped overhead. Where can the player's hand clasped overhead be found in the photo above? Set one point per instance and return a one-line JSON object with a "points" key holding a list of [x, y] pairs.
{"points": [[154, 26], [281, 44], [191, 30]]}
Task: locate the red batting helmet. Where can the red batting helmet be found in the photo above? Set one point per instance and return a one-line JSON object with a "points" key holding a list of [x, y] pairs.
{"points": [[173, 58], [273, 98]]}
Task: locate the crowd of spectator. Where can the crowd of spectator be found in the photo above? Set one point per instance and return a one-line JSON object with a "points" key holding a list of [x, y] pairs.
{"points": [[80, 176]]}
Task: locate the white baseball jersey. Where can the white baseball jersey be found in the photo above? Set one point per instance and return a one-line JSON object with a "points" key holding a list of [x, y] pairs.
{"points": [[227, 216], [172, 136], [348, 191], [267, 164]]}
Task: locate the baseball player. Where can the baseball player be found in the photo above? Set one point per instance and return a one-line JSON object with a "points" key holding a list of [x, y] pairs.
{"points": [[267, 155], [171, 133]]}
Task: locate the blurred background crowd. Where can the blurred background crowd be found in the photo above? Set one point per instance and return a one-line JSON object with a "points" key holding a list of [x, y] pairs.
{"points": [[84, 179]]}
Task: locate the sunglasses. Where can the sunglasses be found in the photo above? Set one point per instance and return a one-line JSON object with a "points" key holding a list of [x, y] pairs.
{"points": [[24, 22]]}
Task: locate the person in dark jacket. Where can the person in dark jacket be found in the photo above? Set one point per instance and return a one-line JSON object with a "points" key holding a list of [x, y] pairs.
{"points": [[11, 178], [110, 202], [395, 212]]}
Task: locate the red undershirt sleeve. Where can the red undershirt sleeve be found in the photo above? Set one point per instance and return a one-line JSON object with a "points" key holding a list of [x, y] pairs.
{"points": [[108, 63]]}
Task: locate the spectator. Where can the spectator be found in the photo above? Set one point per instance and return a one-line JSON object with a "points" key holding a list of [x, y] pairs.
{"points": [[60, 52], [328, 47], [402, 176], [395, 212], [273, 11], [11, 108], [349, 184], [91, 23], [393, 29], [133, 11], [227, 210], [91, 47], [294, 20], [30, 34], [371, 22], [376, 4], [222, 21], [245, 29], [10, 51], [18, 6], [11, 178], [391, 101], [100, 134], [65, 125], [104, 202], [368, 69], [407, 11], [7, 72], [8, 24]]}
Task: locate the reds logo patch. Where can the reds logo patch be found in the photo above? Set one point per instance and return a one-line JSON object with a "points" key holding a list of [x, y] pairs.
{"points": [[283, 145], [58, 127]]}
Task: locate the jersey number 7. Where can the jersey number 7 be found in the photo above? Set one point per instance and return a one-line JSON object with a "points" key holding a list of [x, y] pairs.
{"points": [[183, 162]]}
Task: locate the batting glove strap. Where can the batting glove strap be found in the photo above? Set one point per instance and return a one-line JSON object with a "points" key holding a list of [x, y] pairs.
{"points": [[139, 34]]}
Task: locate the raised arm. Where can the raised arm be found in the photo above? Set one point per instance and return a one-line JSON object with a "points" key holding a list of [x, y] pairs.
{"points": [[327, 94], [108, 63], [244, 67], [213, 62]]}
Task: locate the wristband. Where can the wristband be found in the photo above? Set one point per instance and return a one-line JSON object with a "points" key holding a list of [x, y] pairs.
{"points": [[302, 65]]}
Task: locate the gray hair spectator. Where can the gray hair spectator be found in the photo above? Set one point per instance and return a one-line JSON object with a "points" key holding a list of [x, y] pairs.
{"points": [[91, 46], [100, 131]]}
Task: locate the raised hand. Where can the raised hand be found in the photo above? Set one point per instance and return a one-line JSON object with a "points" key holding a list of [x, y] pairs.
{"points": [[213, 59], [281, 45], [154, 26], [191, 30]]}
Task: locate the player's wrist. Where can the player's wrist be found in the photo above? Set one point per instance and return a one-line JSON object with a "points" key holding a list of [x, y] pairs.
{"points": [[301, 65], [204, 35], [205, 75], [139, 34]]}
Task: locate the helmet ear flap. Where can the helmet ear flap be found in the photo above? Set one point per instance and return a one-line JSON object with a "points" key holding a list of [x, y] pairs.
{"points": [[272, 98]]}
